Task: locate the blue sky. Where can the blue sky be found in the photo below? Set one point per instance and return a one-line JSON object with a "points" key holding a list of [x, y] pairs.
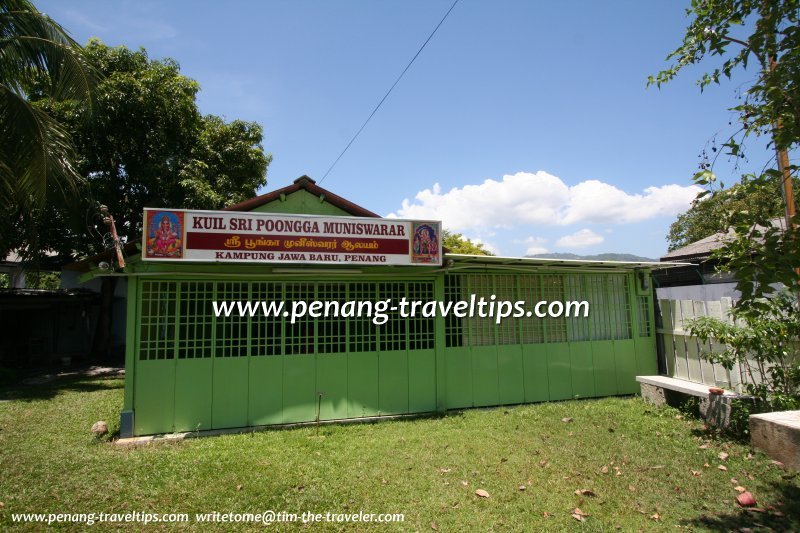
{"points": [[524, 124]]}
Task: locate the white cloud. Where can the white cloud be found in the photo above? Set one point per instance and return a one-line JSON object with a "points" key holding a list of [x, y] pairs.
{"points": [[541, 198], [580, 239], [595, 201], [535, 245], [536, 250], [487, 245]]}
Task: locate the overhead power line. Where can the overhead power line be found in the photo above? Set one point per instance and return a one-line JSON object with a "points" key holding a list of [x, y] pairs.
{"points": [[421, 48]]}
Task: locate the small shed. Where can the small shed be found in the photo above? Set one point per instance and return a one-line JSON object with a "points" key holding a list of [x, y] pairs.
{"points": [[188, 369], [38, 326]]}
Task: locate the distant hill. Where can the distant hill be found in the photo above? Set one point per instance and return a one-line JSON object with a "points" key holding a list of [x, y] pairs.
{"points": [[596, 257]]}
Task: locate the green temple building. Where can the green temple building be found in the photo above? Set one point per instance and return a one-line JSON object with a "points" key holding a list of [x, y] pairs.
{"points": [[188, 369]]}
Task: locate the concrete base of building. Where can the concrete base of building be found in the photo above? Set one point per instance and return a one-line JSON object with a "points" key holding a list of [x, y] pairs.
{"points": [[715, 409], [175, 437], [778, 435]]}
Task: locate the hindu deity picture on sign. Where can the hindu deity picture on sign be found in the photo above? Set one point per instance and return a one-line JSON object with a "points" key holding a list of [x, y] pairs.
{"points": [[164, 234], [425, 244]]}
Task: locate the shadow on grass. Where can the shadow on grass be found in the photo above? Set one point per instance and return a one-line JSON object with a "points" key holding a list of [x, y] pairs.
{"points": [[49, 390], [327, 426], [717, 434], [324, 428], [779, 515]]}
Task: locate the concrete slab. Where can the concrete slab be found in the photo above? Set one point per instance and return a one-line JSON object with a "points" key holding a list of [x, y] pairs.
{"points": [[664, 390], [788, 418], [778, 435], [680, 385]]}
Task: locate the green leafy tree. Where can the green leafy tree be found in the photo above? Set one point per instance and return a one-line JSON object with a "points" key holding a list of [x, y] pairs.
{"points": [[456, 243], [743, 33], [43, 280], [148, 146], [764, 330], [711, 215], [36, 155], [718, 28]]}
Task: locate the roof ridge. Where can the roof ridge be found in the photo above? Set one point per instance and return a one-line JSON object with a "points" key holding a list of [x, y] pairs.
{"points": [[304, 182]]}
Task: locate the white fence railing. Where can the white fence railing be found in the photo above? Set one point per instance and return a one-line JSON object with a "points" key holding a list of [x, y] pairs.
{"points": [[683, 352]]}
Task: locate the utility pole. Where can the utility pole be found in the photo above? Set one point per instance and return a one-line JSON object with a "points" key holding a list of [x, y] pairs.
{"points": [[787, 189], [783, 166]]}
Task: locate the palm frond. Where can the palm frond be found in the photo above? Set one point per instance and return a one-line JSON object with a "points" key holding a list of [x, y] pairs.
{"points": [[36, 153]]}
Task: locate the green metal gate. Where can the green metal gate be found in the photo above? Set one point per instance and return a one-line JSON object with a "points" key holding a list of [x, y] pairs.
{"points": [[193, 370], [537, 359], [198, 371]]}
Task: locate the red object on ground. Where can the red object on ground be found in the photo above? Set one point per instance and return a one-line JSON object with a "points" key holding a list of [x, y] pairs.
{"points": [[745, 499]]}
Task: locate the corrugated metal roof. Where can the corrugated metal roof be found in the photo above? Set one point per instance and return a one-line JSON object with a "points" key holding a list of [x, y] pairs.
{"points": [[703, 248], [569, 263]]}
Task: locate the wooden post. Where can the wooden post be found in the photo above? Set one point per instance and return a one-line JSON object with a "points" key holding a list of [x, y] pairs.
{"points": [[109, 221]]}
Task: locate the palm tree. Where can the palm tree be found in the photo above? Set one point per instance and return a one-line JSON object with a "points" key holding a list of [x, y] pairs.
{"points": [[36, 154]]}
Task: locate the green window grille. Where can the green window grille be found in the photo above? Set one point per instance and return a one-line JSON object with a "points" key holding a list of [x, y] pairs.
{"points": [[300, 336], [332, 329], [232, 331], [480, 330], [177, 317], [620, 309], [363, 332], [552, 290], [532, 330], [420, 328], [505, 288], [609, 310], [644, 316], [196, 319], [580, 288], [453, 325], [266, 332], [609, 314], [158, 318]]}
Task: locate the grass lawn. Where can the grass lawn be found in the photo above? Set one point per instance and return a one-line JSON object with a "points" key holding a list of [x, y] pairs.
{"points": [[637, 460]]}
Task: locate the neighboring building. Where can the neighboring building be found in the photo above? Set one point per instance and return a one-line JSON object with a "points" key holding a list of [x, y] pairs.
{"points": [[700, 279], [187, 369], [42, 327], [16, 268], [71, 278], [11, 266]]}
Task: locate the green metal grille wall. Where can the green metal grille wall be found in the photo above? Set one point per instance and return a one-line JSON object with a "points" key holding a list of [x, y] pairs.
{"points": [[199, 371], [193, 370], [536, 359], [187, 305]]}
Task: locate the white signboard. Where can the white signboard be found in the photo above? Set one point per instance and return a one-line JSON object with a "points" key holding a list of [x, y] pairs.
{"points": [[229, 236]]}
